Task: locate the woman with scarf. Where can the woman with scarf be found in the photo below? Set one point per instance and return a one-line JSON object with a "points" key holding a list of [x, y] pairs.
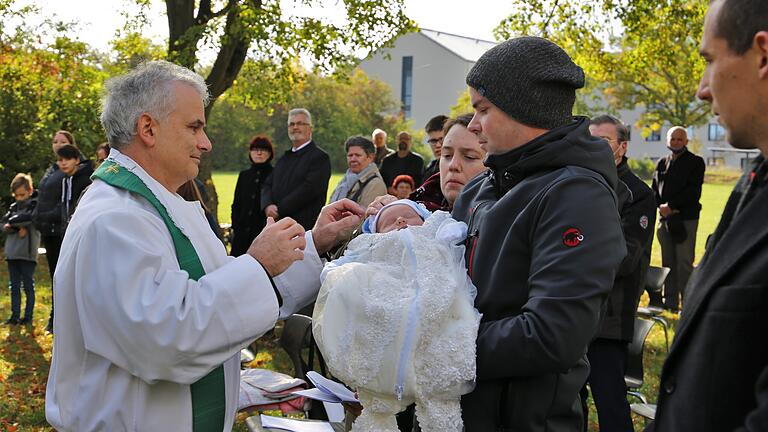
{"points": [[362, 182]]}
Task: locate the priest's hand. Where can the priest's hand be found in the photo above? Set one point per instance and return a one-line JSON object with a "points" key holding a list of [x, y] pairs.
{"points": [[336, 221], [278, 245]]}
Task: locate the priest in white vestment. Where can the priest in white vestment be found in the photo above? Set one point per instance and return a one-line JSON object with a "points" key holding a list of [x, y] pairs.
{"points": [[133, 331]]}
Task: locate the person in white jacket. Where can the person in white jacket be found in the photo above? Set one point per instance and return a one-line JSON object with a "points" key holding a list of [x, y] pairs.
{"points": [[151, 312]]}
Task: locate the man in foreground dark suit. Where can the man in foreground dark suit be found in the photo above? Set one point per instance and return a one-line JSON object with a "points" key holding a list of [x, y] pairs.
{"points": [[716, 375]]}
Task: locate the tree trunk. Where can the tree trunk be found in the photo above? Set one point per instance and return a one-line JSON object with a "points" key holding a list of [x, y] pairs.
{"points": [[185, 31]]}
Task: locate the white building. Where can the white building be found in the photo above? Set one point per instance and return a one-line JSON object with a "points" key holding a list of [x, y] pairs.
{"points": [[426, 71]]}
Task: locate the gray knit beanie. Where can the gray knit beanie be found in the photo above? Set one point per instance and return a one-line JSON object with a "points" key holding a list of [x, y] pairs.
{"points": [[531, 79]]}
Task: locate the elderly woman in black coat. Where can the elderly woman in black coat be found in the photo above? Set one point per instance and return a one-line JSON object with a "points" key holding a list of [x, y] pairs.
{"points": [[247, 218]]}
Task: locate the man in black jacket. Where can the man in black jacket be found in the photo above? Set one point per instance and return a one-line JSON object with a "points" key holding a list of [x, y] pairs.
{"points": [[403, 161], [716, 375], [677, 184], [607, 353], [298, 185], [435, 135], [544, 239]]}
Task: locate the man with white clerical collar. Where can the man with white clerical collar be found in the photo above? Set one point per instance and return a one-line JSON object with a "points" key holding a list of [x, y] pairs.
{"points": [[151, 312]]}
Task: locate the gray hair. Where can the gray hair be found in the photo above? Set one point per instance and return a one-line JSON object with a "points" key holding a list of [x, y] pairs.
{"points": [[146, 89], [377, 132], [303, 111], [622, 132]]}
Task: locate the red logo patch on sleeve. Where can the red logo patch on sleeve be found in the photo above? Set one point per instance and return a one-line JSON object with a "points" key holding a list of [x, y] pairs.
{"points": [[572, 237]]}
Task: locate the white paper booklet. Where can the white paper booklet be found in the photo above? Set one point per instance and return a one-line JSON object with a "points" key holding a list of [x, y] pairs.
{"points": [[282, 423], [326, 390]]}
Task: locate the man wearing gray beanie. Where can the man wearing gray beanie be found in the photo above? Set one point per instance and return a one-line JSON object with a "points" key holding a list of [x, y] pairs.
{"points": [[545, 239]]}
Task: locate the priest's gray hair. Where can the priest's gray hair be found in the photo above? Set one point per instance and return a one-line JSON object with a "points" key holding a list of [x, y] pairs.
{"points": [[146, 89]]}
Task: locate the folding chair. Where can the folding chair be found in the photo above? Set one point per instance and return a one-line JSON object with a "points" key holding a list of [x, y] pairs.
{"points": [[654, 281], [633, 376], [298, 343]]}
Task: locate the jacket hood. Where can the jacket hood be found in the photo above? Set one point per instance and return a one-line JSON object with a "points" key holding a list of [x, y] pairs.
{"points": [[85, 168], [569, 145]]}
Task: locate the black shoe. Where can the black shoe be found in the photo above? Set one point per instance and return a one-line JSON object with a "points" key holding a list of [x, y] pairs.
{"points": [[12, 321], [25, 321]]}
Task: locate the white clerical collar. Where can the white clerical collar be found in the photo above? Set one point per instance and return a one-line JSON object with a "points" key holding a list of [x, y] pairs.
{"points": [[301, 146], [173, 202]]}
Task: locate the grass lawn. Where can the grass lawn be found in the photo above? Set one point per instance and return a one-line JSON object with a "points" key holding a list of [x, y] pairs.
{"points": [[25, 352]]}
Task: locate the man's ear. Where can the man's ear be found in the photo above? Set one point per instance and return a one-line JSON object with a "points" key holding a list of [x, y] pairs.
{"points": [[761, 43], [145, 129]]}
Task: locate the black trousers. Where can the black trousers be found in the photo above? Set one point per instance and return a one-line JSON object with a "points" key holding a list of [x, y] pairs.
{"points": [[608, 359]]}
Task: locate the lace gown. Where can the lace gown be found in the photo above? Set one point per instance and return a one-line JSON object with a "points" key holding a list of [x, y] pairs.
{"points": [[395, 320]]}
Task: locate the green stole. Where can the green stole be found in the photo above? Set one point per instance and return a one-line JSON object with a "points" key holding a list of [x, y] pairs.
{"points": [[208, 394]]}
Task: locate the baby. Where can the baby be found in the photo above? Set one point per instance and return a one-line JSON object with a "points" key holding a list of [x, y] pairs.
{"points": [[396, 216], [395, 319]]}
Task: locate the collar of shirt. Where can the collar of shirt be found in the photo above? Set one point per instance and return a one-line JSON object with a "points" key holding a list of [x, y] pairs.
{"points": [[301, 146]]}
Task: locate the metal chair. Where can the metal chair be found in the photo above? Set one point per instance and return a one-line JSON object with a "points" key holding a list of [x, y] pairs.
{"points": [[654, 281], [633, 376], [645, 410], [298, 343]]}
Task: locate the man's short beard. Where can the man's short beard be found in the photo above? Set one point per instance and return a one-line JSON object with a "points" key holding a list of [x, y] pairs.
{"points": [[402, 146]]}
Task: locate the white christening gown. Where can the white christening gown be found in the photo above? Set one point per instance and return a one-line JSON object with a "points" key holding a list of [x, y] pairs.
{"points": [[395, 320]]}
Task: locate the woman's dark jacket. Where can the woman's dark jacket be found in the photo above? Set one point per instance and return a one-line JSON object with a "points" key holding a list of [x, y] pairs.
{"points": [[544, 245], [248, 219], [50, 214]]}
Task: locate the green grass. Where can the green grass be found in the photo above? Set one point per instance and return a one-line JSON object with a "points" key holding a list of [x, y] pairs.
{"points": [[25, 352], [713, 199]]}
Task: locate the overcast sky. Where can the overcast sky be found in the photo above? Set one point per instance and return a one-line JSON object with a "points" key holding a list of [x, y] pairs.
{"points": [[98, 20]]}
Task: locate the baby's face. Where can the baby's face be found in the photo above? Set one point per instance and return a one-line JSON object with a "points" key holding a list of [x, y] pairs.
{"points": [[397, 217]]}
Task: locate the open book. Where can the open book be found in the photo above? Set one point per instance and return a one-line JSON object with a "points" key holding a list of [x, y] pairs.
{"points": [[326, 390]]}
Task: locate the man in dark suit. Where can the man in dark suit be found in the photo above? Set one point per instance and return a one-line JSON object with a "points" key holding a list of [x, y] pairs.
{"points": [[607, 353], [716, 375], [298, 185], [677, 184]]}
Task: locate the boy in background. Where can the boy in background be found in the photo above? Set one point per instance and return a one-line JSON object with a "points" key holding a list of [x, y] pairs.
{"points": [[21, 243]]}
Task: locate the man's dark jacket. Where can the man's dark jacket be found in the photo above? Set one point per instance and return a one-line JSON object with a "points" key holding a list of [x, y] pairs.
{"points": [[678, 183], [393, 165], [716, 375], [638, 218], [299, 184], [432, 168], [544, 244]]}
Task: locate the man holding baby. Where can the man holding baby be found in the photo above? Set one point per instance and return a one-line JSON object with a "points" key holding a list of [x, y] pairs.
{"points": [[544, 238]]}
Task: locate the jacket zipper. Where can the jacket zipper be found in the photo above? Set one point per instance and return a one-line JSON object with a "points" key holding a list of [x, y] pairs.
{"points": [[474, 235]]}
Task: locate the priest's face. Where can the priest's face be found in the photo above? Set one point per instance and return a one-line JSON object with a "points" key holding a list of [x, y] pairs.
{"points": [[181, 139]]}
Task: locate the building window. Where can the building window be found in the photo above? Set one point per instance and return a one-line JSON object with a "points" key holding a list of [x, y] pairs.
{"points": [[716, 132], [406, 90], [654, 136]]}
